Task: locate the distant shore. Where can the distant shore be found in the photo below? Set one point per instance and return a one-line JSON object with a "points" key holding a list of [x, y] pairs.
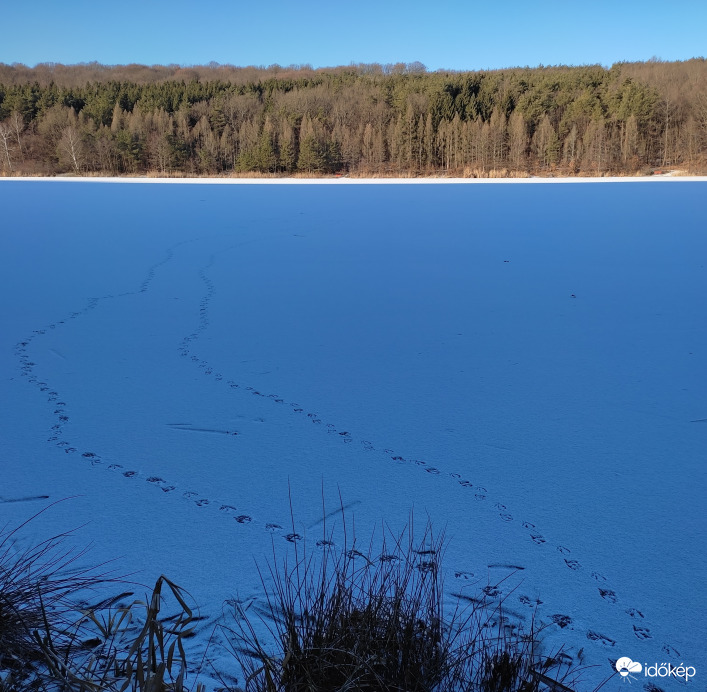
{"points": [[358, 181]]}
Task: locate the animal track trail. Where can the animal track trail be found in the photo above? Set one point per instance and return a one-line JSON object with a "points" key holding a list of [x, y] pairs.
{"points": [[60, 410], [61, 414], [478, 492]]}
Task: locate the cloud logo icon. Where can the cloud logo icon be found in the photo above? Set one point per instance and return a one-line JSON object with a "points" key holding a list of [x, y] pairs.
{"points": [[625, 666]]}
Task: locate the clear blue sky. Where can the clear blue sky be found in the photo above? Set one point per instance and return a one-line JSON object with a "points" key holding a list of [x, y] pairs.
{"points": [[454, 34]]}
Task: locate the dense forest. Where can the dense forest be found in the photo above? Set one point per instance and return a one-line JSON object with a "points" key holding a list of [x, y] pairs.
{"points": [[365, 120]]}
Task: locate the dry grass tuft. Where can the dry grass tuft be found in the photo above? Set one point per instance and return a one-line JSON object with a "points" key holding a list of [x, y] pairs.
{"points": [[345, 620], [49, 642]]}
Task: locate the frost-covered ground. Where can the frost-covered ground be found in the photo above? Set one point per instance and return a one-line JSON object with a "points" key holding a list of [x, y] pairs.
{"points": [[524, 364]]}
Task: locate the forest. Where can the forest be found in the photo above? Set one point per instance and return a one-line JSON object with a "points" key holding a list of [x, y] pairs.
{"points": [[366, 120]]}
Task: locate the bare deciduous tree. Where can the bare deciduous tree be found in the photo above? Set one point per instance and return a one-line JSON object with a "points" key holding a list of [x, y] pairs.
{"points": [[72, 147], [6, 145]]}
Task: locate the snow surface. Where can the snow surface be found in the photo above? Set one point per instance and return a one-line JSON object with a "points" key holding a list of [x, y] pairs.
{"points": [[523, 364]]}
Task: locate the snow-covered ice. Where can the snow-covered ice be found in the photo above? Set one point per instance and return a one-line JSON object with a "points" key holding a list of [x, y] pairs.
{"points": [[524, 364]]}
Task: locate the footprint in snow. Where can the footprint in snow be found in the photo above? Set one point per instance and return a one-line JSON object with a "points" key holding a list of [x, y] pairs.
{"points": [[608, 595], [601, 638], [670, 650], [161, 484], [642, 633], [561, 621]]}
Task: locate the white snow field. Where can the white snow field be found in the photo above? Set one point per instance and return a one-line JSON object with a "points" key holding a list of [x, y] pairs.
{"points": [[523, 364]]}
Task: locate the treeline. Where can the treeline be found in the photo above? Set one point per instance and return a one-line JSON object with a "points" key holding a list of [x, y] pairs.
{"points": [[363, 120]]}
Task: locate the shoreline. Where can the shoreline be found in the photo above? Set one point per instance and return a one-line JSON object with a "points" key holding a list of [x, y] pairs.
{"points": [[357, 181]]}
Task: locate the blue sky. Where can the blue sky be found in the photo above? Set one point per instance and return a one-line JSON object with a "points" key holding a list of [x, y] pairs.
{"points": [[452, 34]]}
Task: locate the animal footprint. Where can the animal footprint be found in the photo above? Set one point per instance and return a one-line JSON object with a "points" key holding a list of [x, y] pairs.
{"points": [[498, 505], [160, 483], [293, 537], [244, 519], [563, 550], [227, 508], [115, 467], [464, 575], [634, 613], [273, 528], [491, 591], [671, 651], [532, 602], [608, 595], [602, 639], [130, 474], [201, 502], [189, 495], [573, 564], [561, 621], [527, 525], [642, 633], [505, 517], [324, 543], [389, 558], [466, 484], [537, 538], [598, 577], [432, 470]]}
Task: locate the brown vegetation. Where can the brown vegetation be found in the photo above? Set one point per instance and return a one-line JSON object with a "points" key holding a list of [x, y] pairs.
{"points": [[364, 120]]}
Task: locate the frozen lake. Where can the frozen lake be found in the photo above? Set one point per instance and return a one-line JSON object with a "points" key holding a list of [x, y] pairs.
{"points": [[524, 364]]}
